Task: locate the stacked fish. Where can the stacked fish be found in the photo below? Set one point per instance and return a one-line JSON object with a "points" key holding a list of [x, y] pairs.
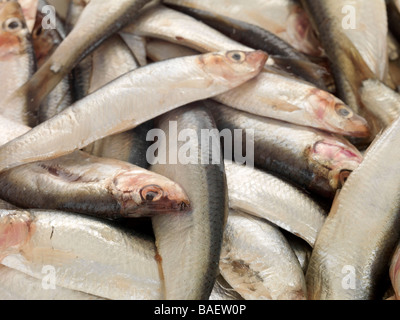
{"points": [[101, 199]]}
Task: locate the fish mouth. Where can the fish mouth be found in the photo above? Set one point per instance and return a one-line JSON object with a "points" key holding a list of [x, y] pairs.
{"points": [[358, 127]]}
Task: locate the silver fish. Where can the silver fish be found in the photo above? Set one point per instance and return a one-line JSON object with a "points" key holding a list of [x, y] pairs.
{"points": [[352, 251], [265, 196], [86, 255], [179, 81], [270, 94], [190, 253], [97, 22], [258, 262]]}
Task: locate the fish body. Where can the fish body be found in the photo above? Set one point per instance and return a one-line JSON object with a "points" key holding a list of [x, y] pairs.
{"points": [[312, 159], [351, 254], [257, 261], [113, 263], [193, 78], [16, 51], [260, 194], [270, 94], [98, 21], [190, 255], [286, 19], [45, 42]]}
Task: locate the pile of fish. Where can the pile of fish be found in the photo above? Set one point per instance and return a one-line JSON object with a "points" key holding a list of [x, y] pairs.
{"points": [[109, 189]]}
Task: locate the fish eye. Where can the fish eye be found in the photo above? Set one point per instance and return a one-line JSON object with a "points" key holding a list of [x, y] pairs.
{"points": [[13, 24], [236, 56], [151, 193], [343, 111]]}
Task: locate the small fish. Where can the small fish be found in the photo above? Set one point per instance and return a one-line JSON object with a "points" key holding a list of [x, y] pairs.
{"points": [[283, 54], [354, 56], [88, 255], [86, 184], [312, 159], [45, 42], [381, 100], [260, 194], [258, 262], [179, 81], [360, 233], [269, 94], [16, 51], [190, 254], [98, 186], [109, 17], [285, 18]]}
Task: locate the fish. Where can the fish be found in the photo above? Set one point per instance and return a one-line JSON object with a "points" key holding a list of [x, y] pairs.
{"points": [[15, 285], [260, 194], [355, 56], [97, 22], [381, 100], [269, 94], [286, 19], [193, 78], [114, 262], [16, 51], [354, 246], [312, 159], [283, 54], [258, 262], [394, 272], [108, 62], [190, 254], [85, 184], [45, 41]]}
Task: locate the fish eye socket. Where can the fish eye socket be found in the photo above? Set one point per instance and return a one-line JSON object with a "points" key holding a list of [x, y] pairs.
{"points": [[13, 24], [237, 56], [343, 111], [151, 193]]}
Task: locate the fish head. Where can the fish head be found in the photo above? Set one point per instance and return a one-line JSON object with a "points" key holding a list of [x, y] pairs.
{"points": [[301, 33], [16, 228], [233, 67], [13, 32], [338, 156], [334, 115], [146, 194]]}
